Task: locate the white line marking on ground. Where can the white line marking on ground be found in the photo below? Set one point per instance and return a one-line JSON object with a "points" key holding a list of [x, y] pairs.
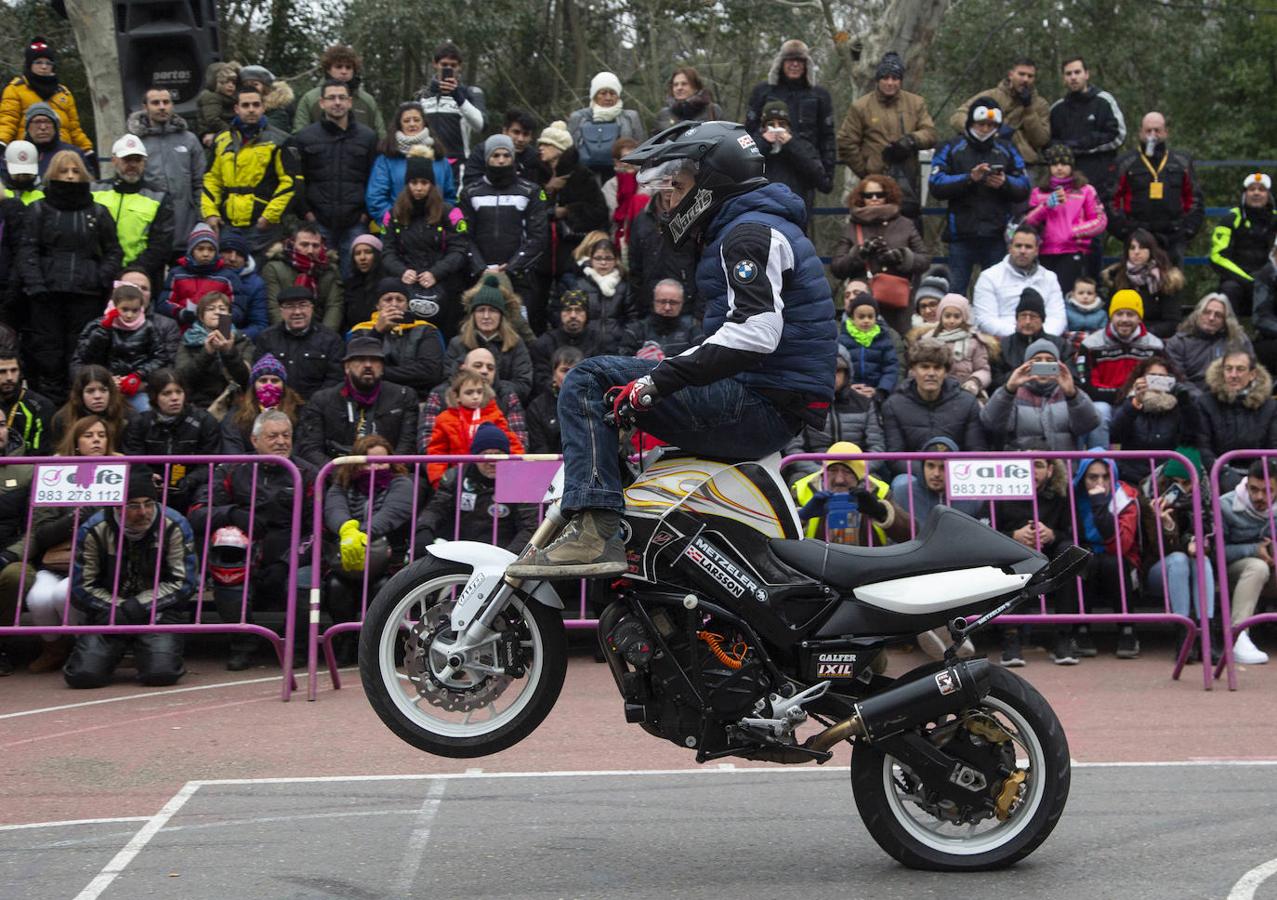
{"points": [[141, 696], [70, 822], [120, 861], [1250, 882], [416, 849]]}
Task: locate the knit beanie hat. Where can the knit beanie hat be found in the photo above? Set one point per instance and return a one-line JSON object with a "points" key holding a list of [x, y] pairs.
{"points": [[556, 134], [862, 299], [201, 234], [934, 284], [1258, 178], [364, 240], [955, 301], [489, 437], [233, 239], [391, 285], [1042, 345], [42, 109], [39, 48], [1031, 301], [775, 109], [421, 164], [1127, 299], [1175, 469], [489, 294], [142, 484], [1058, 155], [890, 65], [495, 143], [604, 81], [268, 365], [257, 73]]}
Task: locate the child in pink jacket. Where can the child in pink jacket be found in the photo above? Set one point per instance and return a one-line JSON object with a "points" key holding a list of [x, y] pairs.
{"points": [[1068, 213]]}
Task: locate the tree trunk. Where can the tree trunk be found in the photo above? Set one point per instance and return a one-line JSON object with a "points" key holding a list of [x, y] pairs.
{"points": [[93, 24], [908, 27]]}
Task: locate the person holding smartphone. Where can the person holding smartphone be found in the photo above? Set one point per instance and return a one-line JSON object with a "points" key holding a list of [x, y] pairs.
{"points": [[214, 356], [1040, 406], [453, 111]]}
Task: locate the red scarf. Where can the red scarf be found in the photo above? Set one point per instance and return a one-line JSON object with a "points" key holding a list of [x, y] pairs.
{"points": [[629, 203], [306, 267]]}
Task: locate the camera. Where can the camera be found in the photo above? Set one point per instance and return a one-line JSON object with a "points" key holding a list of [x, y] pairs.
{"points": [[997, 169], [1165, 383]]}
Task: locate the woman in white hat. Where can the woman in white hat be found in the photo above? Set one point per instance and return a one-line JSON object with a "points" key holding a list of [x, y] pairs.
{"points": [[595, 128]]}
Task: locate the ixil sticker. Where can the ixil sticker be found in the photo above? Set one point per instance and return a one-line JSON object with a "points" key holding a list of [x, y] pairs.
{"points": [[836, 665]]}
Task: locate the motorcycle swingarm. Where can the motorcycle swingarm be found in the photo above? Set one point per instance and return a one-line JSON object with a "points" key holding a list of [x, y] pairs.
{"points": [[939, 772]]}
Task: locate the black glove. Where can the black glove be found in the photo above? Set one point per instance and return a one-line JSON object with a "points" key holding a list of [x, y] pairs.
{"points": [[874, 247], [130, 612], [91, 163], [899, 151], [461, 95], [893, 258], [870, 505], [1025, 96]]}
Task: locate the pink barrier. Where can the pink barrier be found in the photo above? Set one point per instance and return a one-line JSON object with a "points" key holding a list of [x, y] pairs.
{"points": [[519, 479], [1227, 662], [1123, 614], [163, 465]]}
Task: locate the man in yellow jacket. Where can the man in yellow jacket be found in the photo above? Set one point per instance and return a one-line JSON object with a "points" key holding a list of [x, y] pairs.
{"points": [[249, 181], [836, 502], [38, 83]]}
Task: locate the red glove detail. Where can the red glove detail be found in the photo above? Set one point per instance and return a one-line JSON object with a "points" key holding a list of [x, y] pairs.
{"points": [[130, 384], [639, 394], [109, 319]]}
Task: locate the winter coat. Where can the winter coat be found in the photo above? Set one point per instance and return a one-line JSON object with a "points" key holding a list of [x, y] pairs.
{"points": [[611, 313], [214, 112], [442, 249], [1067, 228], [874, 121], [514, 366], [544, 435], [143, 223], [333, 166], [168, 547], [899, 233], [414, 352], [18, 95], [1105, 361], [236, 487], [68, 249], [672, 335], [594, 140], [363, 110], [1146, 429], [453, 433], [248, 180], [896, 528], [123, 352], [189, 281], [1265, 311], [796, 165], [851, 417], [1243, 531], [1091, 124], [175, 166], [207, 375], [46, 152], [700, 107], [193, 432], [908, 421], [1193, 351], [278, 273], [386, 182], [1051, 509], [1085, 320], [1027, 420], [527, 165], [1161, 307], [876, 365], [509, 225], [437, 401], [1240, 244], [1099, 530], [453, 118], [975, 209], [811, 113], [312, 356], [250, 312], [330, 423], [586, 210], [514, 522], [593, 341], [1173, 218], [973, 355], [391, 507], [1029, 127], [652, 260], [1245, 422], [30, 417], [997, 294]]}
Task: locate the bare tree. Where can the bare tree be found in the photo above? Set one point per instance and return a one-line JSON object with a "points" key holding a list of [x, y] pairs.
{"points": [[93, 24]]}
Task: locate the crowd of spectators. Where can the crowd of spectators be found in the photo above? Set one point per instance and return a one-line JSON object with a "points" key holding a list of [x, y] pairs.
{"points": [[303, 277]]}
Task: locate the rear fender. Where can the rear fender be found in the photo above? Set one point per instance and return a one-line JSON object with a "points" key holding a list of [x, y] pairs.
{"points": [[488, 565]]}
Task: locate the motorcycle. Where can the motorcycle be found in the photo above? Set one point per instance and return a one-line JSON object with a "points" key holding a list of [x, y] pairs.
{"points": [[730, 631]]}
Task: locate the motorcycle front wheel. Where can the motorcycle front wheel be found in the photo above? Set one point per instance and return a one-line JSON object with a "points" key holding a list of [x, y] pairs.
{"points": [[1013, 729], [416, 687]]}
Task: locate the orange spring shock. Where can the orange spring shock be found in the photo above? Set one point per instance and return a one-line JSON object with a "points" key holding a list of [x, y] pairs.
{"points": [[733, 659]]}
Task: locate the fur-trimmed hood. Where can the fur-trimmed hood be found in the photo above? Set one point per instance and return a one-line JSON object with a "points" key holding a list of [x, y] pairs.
{"points": [[140, 124], [280, 97], [1261, 389], [1172, 280], [212, 70], [793, 48]]}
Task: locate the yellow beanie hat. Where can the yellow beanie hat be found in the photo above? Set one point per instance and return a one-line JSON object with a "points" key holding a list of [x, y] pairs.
{"points": [[1127, 299]]}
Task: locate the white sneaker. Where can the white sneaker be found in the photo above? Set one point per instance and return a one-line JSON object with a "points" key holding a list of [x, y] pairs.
{"points": [[1247, 653]]}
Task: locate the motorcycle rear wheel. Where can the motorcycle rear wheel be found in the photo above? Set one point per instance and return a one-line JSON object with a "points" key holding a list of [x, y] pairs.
{"points": [[460, 718], [917, 838]]}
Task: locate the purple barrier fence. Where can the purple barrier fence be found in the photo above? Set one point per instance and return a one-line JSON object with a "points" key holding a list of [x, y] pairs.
{"points": [[1123, 614], [1227, 662], [80, 481], [519, 479]]}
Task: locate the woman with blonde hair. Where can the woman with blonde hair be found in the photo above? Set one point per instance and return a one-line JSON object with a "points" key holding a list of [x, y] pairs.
{"points": [[487, 326]]}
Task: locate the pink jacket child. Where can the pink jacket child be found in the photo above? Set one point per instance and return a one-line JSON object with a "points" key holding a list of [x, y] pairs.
{"points": [[1067, 220]]}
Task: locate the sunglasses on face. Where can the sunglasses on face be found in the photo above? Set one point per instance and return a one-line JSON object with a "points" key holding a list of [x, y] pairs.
{"points": [[874, 195]]}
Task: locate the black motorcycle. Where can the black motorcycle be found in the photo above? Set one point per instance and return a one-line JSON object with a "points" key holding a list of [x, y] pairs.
{"points": [[730, 632]]}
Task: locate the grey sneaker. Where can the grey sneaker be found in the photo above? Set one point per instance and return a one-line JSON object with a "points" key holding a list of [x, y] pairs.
{"points": [[579, 552]]}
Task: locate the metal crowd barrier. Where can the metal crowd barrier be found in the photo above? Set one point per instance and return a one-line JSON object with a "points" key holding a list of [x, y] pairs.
{"points": [[1125, 610], [70, 481]]}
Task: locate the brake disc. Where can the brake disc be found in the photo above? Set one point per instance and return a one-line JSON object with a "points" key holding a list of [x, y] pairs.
{"points": [[463, 691]]}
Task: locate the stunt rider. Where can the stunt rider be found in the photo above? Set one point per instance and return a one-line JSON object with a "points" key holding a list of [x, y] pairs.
{"points": [[765, 369]]}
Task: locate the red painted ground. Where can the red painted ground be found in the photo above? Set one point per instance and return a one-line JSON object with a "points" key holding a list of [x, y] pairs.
{"points": [[128, 758]]}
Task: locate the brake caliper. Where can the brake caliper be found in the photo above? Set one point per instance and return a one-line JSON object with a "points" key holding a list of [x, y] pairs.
{"points": [[1009, 795]]}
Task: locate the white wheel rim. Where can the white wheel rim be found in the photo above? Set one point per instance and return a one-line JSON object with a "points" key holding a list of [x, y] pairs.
{"points": [[418, 711], [963, 840]]}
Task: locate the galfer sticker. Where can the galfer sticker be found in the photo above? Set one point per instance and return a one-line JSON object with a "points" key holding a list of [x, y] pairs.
{"points": [[948, 682], [836, 665]]}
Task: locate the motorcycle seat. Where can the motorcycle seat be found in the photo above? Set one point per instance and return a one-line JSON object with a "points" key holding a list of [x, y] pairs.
{"points": [[949, 541]]}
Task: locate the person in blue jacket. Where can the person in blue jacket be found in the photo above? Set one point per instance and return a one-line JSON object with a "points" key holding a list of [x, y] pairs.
{"points": [[765, 368], [875, 366], [249, 310], [387, 178]]}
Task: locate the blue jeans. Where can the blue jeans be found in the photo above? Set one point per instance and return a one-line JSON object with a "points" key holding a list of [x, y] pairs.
{"points": [[724, 420], [967, 253], [340, 241], [1181, 584]]}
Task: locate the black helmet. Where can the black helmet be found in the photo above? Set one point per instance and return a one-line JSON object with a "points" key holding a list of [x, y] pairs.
{"points": [[724, 158]]}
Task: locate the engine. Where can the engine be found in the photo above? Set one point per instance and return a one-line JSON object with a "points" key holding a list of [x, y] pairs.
{"points": [[662, 675]]}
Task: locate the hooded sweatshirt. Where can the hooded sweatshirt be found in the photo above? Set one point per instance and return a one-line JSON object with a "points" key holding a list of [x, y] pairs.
{"points": [[1110, 520]]}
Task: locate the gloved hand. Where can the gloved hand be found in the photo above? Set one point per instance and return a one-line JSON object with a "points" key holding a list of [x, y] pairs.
{"points": [[108, 321], [1025, 96], [873, 248], [130, 612], [130, 384], [900, 150], [870, 505], [91, 163], [892, 258], [639, 393], [354, 545], [815, 507]]}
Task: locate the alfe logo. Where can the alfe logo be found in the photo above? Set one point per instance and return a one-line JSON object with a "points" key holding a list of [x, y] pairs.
{"points": [[98, 484]]}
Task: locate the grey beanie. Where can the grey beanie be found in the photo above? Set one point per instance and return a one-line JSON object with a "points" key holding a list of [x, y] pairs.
{"points": [[42, 109], [497, 142], [1041, 345], [257, 73]]}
